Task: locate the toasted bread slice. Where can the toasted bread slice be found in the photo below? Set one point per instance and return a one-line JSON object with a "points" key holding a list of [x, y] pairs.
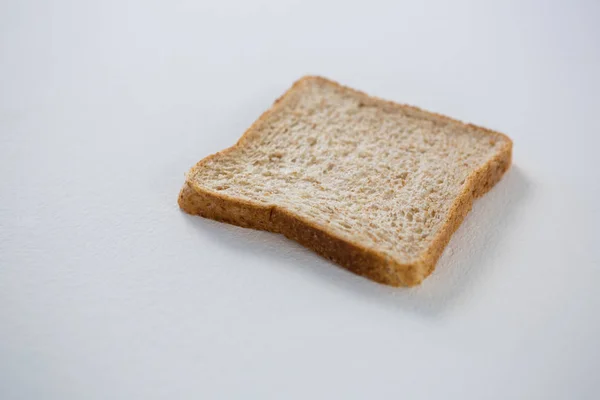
{"points": [[375, 186]]}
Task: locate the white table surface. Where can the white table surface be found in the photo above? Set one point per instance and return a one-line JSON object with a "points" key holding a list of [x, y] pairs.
{"points": [[108, 291]]}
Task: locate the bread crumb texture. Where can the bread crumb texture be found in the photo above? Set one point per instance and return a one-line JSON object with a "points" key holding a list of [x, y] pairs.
{"points": [[375, 186]]}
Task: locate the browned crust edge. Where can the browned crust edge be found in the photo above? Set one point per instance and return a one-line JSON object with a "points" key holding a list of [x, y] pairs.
{"points": [[369, 263]]}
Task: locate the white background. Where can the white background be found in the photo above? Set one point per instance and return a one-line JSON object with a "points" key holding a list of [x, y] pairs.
{"points": [[108, 291]]}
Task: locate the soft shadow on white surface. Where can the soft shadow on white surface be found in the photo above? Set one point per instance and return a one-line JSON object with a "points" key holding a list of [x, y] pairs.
{"points": [[464, 263]]}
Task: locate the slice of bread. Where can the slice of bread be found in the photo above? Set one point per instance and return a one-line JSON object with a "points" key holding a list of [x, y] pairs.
{"points": [[375, 186]]}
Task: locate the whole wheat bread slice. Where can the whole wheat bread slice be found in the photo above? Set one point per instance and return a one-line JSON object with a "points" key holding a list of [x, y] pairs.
{"points": [[375, 186]]}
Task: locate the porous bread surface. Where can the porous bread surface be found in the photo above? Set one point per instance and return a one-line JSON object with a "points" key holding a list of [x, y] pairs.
{"points": [[382, 177]]}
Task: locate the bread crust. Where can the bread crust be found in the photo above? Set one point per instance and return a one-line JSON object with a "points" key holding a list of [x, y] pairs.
{"points": [[363, 261]]}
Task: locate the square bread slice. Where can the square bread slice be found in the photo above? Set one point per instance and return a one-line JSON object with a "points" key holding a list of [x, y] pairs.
{"points": [[374, 186]]}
